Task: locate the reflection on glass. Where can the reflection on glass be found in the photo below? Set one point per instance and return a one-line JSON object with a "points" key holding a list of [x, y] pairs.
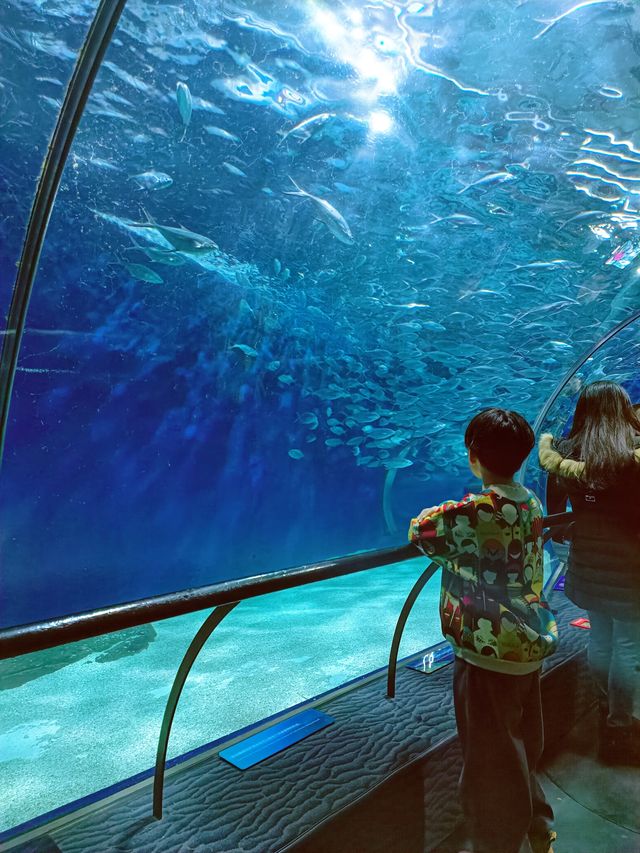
{"points": [[84, 716]]}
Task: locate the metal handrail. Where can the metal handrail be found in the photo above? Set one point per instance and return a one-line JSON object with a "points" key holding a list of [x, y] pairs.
{"points": [[38, 636], [87, 66], [216, 616], [224, 597]]}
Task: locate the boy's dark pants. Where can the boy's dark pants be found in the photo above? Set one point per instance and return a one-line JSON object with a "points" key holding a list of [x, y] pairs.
{"points": [[500, 731]]}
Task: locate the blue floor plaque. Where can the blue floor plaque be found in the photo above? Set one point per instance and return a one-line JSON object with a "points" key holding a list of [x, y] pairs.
{"points": [[266, 743], [559, 584], [434, 659]]}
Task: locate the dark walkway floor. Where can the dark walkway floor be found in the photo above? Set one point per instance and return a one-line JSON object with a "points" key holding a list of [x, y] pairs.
{"points": [[597, 808]]}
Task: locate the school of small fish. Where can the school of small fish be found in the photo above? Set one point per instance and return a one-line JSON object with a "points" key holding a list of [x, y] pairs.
{"points": [[371, 251]]}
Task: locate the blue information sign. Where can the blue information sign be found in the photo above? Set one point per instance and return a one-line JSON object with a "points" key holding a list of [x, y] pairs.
{"points": [[266, 743], [559, 584], [433, 659]]}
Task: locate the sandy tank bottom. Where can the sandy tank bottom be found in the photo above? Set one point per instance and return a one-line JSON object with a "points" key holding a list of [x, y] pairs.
{"points": [[70, 731]]}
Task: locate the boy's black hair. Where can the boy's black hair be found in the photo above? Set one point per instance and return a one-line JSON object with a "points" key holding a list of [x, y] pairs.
{"points": [[501, 439]]}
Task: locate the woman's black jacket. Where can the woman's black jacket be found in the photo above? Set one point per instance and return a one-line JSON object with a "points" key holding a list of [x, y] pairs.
{"points": [[603, 571]]}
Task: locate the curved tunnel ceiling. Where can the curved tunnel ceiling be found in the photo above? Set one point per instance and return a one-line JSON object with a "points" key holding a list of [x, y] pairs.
{"points": [[395, 214]]}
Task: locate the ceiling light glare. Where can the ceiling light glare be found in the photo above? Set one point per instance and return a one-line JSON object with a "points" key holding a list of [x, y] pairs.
{"points": [[380, 122]]}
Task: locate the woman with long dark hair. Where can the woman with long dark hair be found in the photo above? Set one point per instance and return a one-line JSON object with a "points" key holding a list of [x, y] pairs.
{"points": [[597, 468]]}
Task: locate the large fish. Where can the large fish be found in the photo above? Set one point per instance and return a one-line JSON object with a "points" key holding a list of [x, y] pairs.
{"points": [[332, 218], [181, 238]]}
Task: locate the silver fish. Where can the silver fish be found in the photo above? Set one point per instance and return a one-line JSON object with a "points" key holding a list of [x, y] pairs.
{"points": [[163, 256], [221, 132], [493, 178], [558, 263], [332, 218], [185, 105], [181, 239], [246, 349], [319, 118], [153, 180], [234, 170]]}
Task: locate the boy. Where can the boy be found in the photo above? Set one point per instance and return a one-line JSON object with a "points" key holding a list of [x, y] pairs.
{"points": [[495, 617]]}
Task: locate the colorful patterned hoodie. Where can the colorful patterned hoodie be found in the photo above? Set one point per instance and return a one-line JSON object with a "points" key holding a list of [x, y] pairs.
{"points": [[491, 551]]}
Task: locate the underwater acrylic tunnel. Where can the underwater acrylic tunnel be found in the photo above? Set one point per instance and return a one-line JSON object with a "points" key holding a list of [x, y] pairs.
{"points": [[294, 247]]}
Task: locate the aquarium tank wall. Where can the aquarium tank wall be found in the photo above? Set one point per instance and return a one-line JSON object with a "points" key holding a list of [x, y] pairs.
{"points": [[296, 246]]}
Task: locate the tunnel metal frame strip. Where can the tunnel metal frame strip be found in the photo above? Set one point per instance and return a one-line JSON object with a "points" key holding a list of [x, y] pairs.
{"points": [[37, 636], [87, 65], [539, 421]]}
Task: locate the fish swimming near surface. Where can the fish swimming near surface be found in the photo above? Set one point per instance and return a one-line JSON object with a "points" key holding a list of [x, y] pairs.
{"points": [[234, 170], [153, 180], [557, 263], [456, 219], [220, 132], [185, 105], [303, 126], [332, 218], [493, 178], [182, 240]]}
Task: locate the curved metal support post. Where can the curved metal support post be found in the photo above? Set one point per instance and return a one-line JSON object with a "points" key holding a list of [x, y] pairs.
{"points": [[206, 630], [84, 73], [569, 376], [417, 588]]}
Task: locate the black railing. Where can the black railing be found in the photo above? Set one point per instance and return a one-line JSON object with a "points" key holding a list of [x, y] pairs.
{"points": [[82, 626], [223, 597], [37, 636]]}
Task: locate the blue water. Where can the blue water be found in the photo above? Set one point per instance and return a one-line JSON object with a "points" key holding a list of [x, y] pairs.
{"points": [[398, 213], [189, 417]]}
